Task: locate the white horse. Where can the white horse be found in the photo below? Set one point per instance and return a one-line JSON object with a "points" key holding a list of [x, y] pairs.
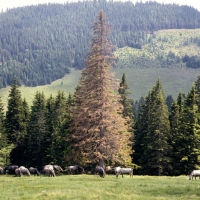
{"points": [[22, 170], [194, 173], [49, 170], [122, 171]]}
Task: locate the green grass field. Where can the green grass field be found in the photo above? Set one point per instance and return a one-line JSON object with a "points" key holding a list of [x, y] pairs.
{"points": [[93, 187]]}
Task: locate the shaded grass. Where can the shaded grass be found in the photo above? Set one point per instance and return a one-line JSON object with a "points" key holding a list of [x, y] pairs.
{"points": [[93, 187]]}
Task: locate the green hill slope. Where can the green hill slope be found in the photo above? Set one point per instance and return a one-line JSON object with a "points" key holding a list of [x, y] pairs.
{"points": [[141, 66], [40, 44], [161, 57]]}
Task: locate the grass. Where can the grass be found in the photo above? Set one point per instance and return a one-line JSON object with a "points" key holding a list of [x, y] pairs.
{"points": [[66, 84], [93, 187]]}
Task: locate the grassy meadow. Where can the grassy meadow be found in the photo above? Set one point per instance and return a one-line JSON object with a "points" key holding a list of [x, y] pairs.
{"points": [[85, 187]]}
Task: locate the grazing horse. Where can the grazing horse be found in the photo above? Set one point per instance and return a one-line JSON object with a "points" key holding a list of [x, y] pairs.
{"points": [[49, 170], [99, 170], [22, 170], [194, 173], [122, 171], [1, 170], [109, 170], [18, 172], [75, 169], [57, 168], [34, 171], [10, 168]]}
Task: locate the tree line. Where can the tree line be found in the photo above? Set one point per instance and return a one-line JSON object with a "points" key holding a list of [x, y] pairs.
{"points": [[39, 44], [166, 139]]}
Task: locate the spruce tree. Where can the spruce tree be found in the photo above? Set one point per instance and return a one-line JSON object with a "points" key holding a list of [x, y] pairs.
{"points": [[125, 101], [5, 147], [154, 138], [3, 138], [189, 141], [99, 129], [56, 114], [37, 140], [16, 124]]}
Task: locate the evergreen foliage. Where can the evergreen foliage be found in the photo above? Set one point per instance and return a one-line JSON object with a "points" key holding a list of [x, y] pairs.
{"points": [[39, 44], [152, 134], [125, 101], [16, 124], [37, 141], [190, 132], [5, 148]]}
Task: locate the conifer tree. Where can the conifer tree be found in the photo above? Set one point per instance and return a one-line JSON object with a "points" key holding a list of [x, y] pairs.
{"points": [[174, 119], [5, 147], [189, 142], [3, 138], [125, 101], [16, 124], [155, 134], [100, 131], [37, 140], [56, 115]]}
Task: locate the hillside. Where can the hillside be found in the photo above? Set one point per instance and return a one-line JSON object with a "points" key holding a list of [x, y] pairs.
{"points": [[141, 66], [40, 44], [162, 57]]}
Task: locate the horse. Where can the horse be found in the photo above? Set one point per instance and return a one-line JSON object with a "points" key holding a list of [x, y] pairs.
{"points": [[34, 171], [1, 170], [10, 168], [49, 170], [57, 168], [99, 170], [75, 169], [109, 170], [122, 171], [22, 170], [194, 173]]}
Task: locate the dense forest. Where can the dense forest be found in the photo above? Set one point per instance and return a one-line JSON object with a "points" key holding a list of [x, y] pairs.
{"points": [[165, 140], [40, 44]]}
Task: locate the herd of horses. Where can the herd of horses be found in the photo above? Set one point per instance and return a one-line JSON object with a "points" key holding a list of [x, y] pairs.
{"points": [[52, 170]]}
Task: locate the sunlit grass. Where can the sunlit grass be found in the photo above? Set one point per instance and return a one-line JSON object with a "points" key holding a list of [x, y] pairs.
{"points": [[93, 187]]}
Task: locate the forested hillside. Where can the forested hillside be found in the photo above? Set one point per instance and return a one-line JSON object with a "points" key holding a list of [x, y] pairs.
{"points": [[40, 44]]}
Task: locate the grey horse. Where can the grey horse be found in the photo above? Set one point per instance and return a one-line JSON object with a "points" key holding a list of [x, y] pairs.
{"points": [[122, 171], [75, 169], [49, 170], [57, 169], [21, 171], [10, 168], [99, 170], [1, 170], [34, 171]]}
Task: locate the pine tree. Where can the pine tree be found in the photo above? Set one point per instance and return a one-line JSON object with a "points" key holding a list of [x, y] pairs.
{"points": [[5, 148], [155, 134], [189, 141], [3, 138], [100, 131], [16, 124], [56, 115], [176, 135], [37, 140], [66, 132], [125, 101]]}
